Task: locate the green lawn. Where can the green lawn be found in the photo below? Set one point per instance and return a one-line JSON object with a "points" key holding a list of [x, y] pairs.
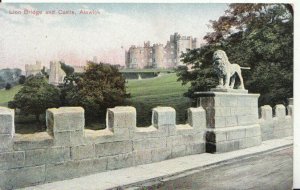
{"points": [[145, 95], [8, 95], [161, 91]]}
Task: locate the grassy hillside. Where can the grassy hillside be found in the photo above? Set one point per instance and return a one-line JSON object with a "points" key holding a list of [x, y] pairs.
{"points": [[8, 95], [145, 95], [161, 91]]}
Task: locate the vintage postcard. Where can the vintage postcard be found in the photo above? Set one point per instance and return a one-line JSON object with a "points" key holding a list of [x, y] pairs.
{"points": [[168, 95]]}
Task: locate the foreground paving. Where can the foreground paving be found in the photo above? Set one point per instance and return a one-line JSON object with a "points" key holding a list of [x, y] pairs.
{"points": [[162, 171]]}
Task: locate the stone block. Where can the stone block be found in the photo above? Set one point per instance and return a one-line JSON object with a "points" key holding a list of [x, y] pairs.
{"points": [[72, 169], [149, 132], [220, 147], [280, 111], [266, 112], [253, 131], [7, 129], [121, 117], [230, 121], [290, 110], [23, 177], [185, 129], [64, 119], [160, 154], [250, 142], [247, 120], [282, 123], [267, 136], [215, 136], [69, 138], [222, 111], [9, 160], [35, 157], [123, 133], [28, 144], [46, 156], [195, 148], [120, 161], [197, 118], [7, 122], [237, 133], [150, 143], [6, 142], [113, 148], [77, 137], [178, 140], [141, 157], [217, 122], [178, 151], [57, 155], [229, 101], [163, 116], [280, 133], [83, 152]]}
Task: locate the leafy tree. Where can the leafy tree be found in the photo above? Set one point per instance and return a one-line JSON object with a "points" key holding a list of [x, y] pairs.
{"points": [[101, 86], [22, 79], [36, 96], [7, 86], [67, 68], [255, 35]]}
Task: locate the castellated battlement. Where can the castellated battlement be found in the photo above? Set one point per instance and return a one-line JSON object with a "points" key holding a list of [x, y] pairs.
{"points": [[67, 150], [278, 125]]}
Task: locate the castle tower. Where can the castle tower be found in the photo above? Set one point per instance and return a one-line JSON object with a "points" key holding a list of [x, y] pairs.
{"points": [[158, 56], [56, 75], [33, 69]]}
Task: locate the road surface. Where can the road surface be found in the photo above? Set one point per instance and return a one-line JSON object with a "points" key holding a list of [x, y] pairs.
{"points": [[272, 171]]}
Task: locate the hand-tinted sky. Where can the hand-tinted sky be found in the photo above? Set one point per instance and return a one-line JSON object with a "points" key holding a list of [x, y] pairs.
{"points": [[76, 38]]}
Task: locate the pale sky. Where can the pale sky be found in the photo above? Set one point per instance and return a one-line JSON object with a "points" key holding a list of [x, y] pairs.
{"points": [[26, 38]]}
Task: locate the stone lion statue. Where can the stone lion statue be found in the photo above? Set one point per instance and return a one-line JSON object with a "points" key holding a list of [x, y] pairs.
{"points": [[226, 71]]}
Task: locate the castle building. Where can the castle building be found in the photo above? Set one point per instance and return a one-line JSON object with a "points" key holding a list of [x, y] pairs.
{"points": [[33, 69], [159, 56]]}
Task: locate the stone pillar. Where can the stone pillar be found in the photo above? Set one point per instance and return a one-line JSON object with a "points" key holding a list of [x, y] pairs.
{"points": [[231, 120], [7, 129], [66, 125]]}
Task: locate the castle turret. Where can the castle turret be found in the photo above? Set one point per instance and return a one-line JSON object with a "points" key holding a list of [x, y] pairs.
{"points": [[158, 56]]}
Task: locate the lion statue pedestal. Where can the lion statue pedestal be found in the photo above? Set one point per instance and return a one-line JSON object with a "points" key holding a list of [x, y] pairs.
{"points": [[232, 121]]}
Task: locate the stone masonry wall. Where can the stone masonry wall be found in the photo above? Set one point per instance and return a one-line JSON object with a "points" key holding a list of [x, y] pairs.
{"points": [[67, 150], [279, 126]]}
